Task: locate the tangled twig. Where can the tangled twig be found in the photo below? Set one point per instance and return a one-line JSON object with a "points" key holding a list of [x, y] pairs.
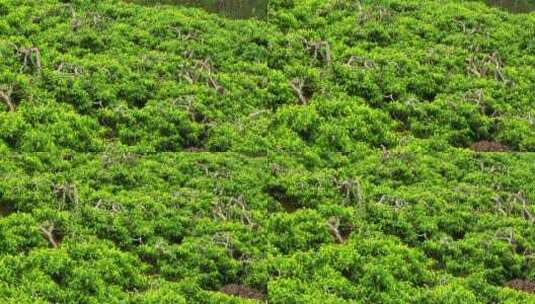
{"points": [[66, 192], [207, 66], [30, 56], [235, 208], [351, 188], [525, 211], [364, 62], [488, 63], [320, 50]]}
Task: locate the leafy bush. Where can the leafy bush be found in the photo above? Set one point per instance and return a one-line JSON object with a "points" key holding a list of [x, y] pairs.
{"points": [[162, 154]]}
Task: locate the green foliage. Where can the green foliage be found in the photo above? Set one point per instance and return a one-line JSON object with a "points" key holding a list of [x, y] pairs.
{"points": [[164, 78], [160, 154], [178, 227]]}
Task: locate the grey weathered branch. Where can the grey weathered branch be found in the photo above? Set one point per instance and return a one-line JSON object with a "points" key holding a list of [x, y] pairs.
{"points": [[297, 86], [207, 66], [47, 229], [30, 55], [333, 224], [5, 95], [321, 50]]}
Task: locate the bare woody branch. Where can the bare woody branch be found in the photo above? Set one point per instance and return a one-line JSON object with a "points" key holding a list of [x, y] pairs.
{"points": [[5, 95], [47, 229]]}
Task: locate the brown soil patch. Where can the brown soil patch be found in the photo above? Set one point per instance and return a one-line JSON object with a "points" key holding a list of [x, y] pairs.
{"points": [[243, 292], [6, 209], [489, 146], [289, 207], [280, 194], [522, 285]]}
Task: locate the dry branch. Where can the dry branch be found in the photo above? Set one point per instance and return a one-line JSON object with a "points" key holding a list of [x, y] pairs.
{"points": [[488, 63], [297, 86], [525, 211], [5, 95], [207, 66], [244, 211], [351, 188], [30, 56], [75, 22], [364, 62], [66, 192], [69, 68], [320, 50], [47, 229], [333, 224]]}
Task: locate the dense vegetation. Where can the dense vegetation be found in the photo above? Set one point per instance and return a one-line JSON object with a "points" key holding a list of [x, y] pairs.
{"points": [[348, 173], [318, 75]]}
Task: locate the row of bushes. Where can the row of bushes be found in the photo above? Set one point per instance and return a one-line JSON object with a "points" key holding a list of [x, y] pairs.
{"points": [[385, 227], [172, 79]]}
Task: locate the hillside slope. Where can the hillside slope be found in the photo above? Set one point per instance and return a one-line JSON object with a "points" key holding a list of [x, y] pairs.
{"points": [[398, 227], [324, 155], [317, 75]]}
